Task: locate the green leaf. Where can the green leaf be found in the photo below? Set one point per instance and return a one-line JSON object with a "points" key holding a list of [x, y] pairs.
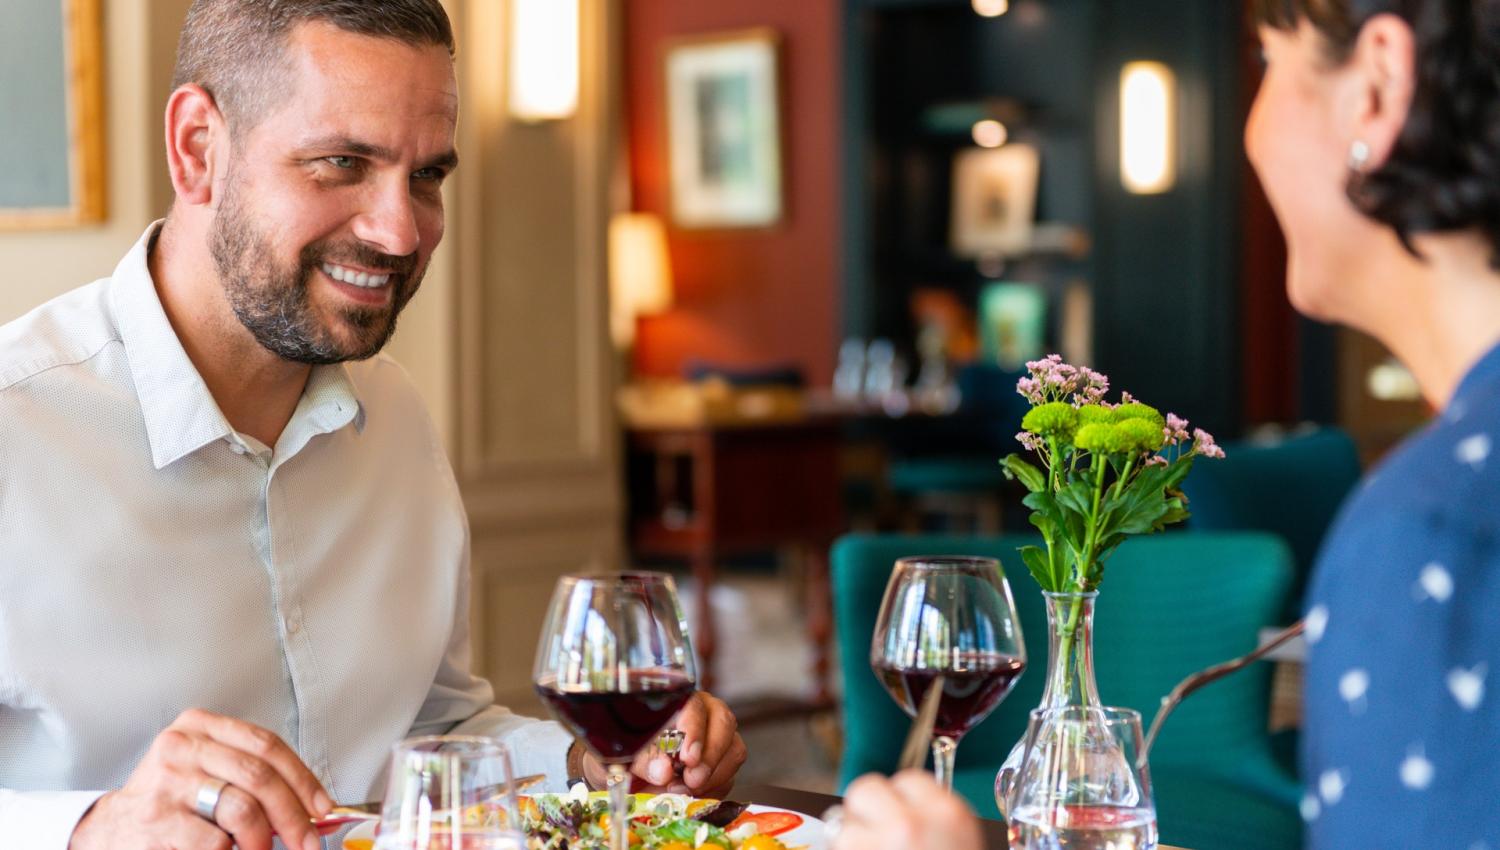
{"points": [[1016, 467], [1041, 569], [686, 831], [1077, 497]]}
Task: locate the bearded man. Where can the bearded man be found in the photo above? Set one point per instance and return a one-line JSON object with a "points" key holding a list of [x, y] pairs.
{"points": [[235, 562]]}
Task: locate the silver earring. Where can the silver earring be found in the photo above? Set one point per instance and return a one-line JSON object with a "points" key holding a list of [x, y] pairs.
{"points": [[1359, 155]]}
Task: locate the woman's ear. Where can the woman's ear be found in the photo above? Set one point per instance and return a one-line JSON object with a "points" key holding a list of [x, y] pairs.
{"points": [[1383, 69], [195, 132]]}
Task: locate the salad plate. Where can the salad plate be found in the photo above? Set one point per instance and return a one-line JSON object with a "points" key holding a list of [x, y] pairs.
{"points": [[660, 822]]}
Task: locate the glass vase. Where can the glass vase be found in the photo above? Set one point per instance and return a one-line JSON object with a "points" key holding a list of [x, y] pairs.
{"points": [[1070, 673]]}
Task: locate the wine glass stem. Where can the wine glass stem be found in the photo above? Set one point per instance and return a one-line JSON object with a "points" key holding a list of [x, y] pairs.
{"points": [[619, 806], [943, 749]]}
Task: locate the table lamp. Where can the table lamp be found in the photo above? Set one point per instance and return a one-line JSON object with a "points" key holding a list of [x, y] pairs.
{"points": [[640, 273]]}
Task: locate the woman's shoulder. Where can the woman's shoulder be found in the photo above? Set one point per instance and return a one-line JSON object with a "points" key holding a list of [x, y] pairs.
{"points": [[1431, 501]]}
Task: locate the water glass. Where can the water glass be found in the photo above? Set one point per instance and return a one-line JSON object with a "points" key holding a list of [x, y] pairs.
{"points": [[1079, 786], [440, 795]]}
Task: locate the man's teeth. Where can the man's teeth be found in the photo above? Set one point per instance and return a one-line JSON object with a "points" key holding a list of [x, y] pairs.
{"points": [[343, 275]]}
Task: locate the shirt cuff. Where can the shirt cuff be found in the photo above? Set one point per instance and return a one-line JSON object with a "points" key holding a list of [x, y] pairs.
{"points": [[43, 820], [542, 747]]}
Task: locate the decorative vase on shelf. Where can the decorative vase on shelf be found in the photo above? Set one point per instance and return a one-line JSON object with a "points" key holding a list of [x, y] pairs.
{"points": [[1070, 672]]}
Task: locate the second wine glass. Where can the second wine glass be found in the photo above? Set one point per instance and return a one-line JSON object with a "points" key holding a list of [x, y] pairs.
{"points": [[954, 618], [614, 666]]}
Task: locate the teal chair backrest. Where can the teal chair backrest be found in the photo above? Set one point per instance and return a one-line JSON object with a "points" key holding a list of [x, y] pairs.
{"points": [[1169, 605], [1292, 487]]}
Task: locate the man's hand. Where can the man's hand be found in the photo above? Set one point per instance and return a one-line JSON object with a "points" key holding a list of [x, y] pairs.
{"points": [[269, 791], [712, 753], [908, 812]]}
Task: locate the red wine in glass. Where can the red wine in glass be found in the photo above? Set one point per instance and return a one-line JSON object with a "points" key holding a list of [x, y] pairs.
{"points": [[948, 616], [614, 664], [618, 724], [969, 693]]}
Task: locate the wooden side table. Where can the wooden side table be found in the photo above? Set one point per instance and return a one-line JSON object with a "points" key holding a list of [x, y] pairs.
{"points": [[706, 491]]}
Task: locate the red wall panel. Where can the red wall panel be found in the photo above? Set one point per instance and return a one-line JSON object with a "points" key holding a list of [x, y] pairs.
{"points": [[746, 298]]}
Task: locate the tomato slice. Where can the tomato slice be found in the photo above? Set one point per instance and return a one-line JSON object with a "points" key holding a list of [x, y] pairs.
{"points": [[768, 823]]}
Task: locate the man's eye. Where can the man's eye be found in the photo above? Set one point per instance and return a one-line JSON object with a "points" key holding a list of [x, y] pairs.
{"points": [[432, 174], [341, 162]]}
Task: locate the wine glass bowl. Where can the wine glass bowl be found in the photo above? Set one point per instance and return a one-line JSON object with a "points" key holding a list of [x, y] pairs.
{"points": [[952, 617], [614, 666]]}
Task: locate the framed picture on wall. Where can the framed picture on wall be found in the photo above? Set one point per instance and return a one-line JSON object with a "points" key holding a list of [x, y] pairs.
{"points": [[994, 200], [51, 114], [724, 129]]}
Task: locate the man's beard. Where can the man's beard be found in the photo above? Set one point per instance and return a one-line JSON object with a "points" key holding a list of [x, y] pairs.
{"points": [[272, 300]]}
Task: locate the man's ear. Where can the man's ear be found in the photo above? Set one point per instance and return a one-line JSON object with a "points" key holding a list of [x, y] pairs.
{"points": [[196, 141], [1384, 66]]}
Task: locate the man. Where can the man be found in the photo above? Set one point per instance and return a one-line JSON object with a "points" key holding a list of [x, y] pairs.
{"points": [[235, 559]]}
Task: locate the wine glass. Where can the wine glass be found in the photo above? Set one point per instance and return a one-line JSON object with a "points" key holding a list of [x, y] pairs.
{"points": [[948, 617], [614, 666], [441, 795], [1079, 784]]}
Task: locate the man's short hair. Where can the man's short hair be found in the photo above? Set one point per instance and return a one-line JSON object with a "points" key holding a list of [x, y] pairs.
{"points": [[236, 49]]}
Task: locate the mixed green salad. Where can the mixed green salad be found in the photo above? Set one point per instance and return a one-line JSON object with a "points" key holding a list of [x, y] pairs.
{"points": [[580, 821]]}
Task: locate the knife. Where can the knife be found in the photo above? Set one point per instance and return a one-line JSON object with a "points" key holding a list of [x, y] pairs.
{"points": [[914, 753]]}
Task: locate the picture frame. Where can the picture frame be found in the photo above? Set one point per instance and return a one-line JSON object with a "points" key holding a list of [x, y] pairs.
{"points": [[51, 72], [994, 201], [1013, 323], [723, 129]]}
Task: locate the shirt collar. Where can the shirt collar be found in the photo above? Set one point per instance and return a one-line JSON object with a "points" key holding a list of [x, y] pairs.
{"points": [[180, 413]]}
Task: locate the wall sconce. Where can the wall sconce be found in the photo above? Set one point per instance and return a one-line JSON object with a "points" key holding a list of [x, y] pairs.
{"points": [[640, 272], [989, 133], [991, 8], [544, 56], [1148, 128]]}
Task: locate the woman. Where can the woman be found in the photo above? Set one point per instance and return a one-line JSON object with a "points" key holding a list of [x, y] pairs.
{"points": [[1376, 134]]}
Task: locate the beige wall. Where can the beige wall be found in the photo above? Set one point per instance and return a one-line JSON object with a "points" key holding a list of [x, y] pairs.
{"points": [[140, 42]]}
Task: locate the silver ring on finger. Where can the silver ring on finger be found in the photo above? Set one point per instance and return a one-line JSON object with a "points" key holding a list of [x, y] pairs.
{"points": [[207, 799]]}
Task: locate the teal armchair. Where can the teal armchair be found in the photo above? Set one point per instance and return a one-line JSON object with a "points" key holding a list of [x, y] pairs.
{"points": [[1170, 605], [1292, 487]]}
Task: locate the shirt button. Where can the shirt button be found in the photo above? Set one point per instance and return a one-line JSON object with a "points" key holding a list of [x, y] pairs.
{"points": [[293, 622]]}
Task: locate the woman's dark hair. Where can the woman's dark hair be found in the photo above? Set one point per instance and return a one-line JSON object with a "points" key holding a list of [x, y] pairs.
{"points": [[1444, 172]]}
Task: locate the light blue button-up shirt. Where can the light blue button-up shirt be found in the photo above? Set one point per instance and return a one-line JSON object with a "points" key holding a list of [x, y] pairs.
{"points": [[152, 560]]}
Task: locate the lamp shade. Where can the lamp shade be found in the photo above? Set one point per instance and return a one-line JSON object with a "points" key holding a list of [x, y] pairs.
{"points": [[544, 56], [1148, 128], [640, 271]]}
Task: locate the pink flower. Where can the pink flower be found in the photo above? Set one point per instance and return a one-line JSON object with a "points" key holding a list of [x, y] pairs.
{"points": [[1156, 460], [1203, 444], [1176, 430], [1029, 441]]}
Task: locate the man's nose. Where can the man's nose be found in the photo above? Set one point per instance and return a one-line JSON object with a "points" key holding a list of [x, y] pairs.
{"points": [[390, 221]]}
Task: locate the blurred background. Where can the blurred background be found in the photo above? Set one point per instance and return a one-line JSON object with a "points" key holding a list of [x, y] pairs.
{"points": [[724, 281]]}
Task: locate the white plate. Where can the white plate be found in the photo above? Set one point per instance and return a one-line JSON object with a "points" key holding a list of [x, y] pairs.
{"points": [[811, 834]]}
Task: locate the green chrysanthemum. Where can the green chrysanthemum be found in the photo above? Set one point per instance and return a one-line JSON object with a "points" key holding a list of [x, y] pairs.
{"points": [[1055, 419], [1138, 411], [1095, 414], [1141, 435], [1100, 439]]}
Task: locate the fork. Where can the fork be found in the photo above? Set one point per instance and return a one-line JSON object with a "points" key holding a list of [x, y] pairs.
{"points": [[1212, 674], [345, 814]]}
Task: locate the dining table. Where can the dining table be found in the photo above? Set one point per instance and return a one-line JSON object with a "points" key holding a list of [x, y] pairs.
{"points": [[815, 804]]}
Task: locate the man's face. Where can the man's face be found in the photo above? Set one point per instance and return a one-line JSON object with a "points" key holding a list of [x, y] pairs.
{"points": [[331, 206]]}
